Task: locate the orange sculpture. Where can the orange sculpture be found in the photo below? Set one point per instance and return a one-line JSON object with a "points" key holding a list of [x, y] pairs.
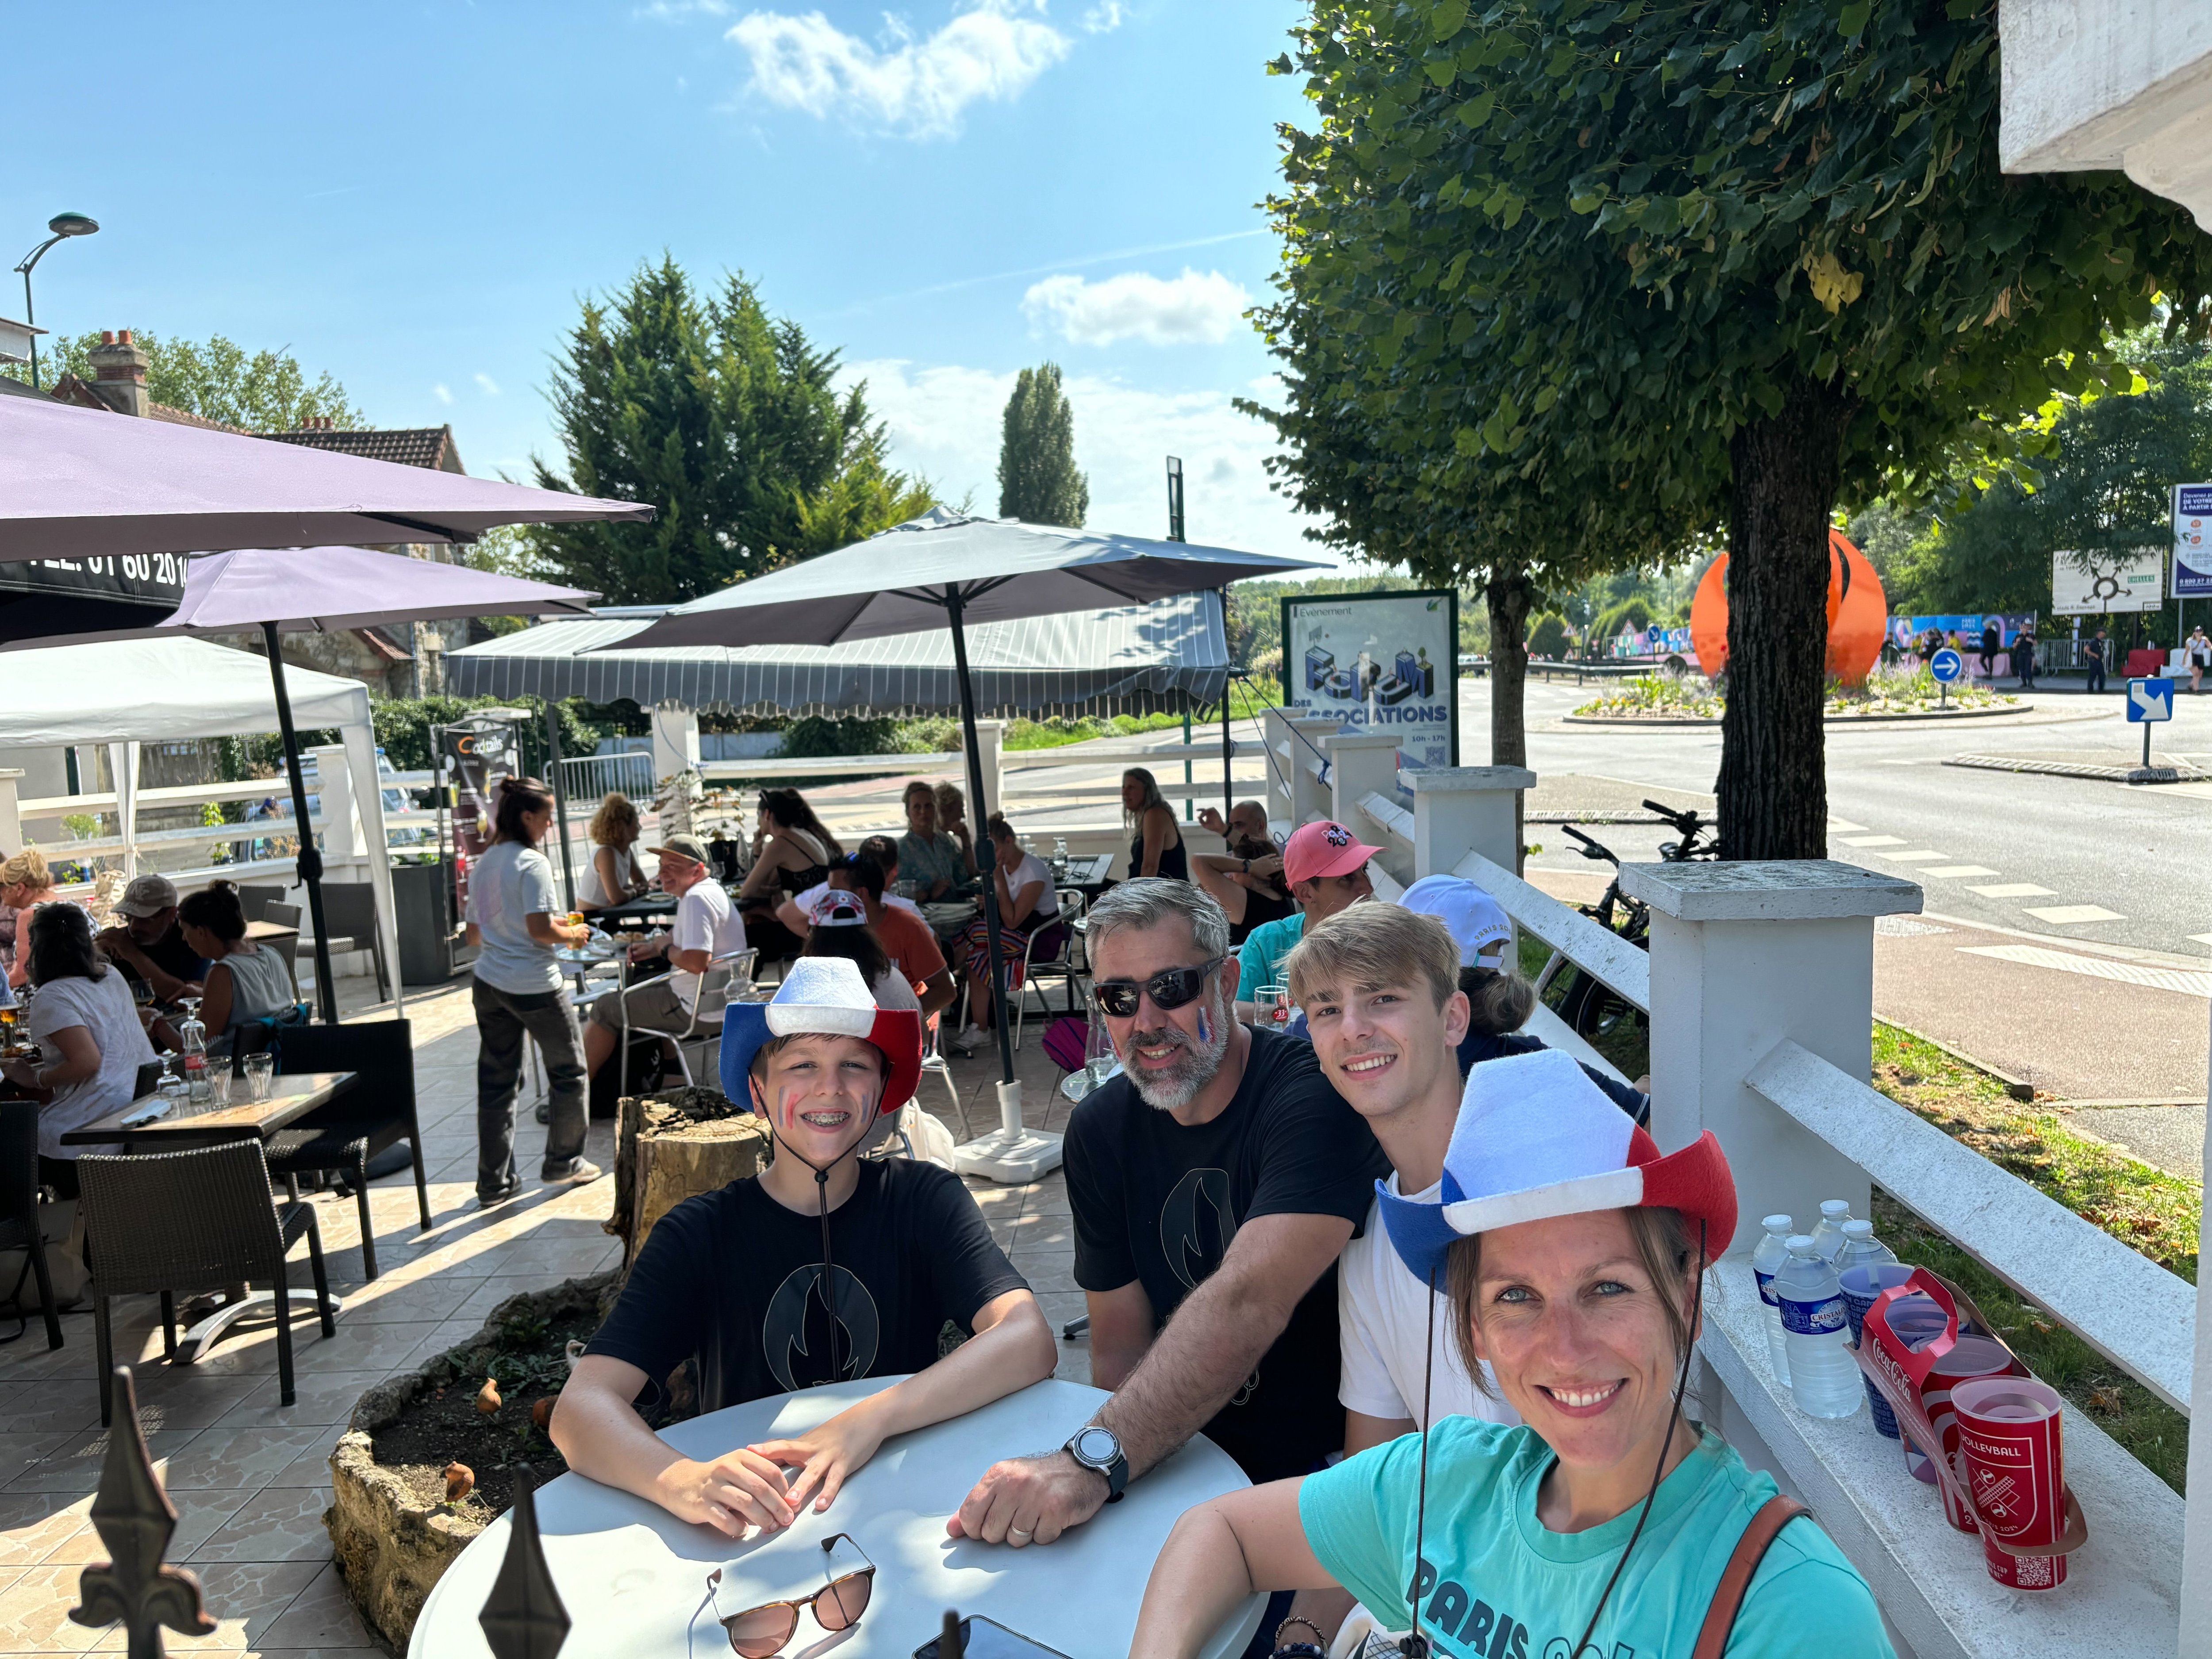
{"points": [[1858, 614]]}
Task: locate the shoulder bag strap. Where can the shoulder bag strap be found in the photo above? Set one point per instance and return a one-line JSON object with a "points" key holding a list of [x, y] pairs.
{"points": [[1775, 1514]]}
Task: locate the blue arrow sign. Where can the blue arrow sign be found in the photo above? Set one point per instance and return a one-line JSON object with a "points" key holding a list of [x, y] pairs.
{"points": [[1947, 666], [2149, 700]]}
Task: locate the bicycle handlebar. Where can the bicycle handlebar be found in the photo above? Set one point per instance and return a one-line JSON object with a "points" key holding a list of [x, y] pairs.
{"points": [[1682, 819]]}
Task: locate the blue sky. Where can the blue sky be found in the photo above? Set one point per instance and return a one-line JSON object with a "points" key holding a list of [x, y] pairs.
{"points": [[415, 198]]}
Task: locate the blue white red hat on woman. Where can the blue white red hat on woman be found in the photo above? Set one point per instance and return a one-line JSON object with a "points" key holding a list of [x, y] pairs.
{"points": [[823, 995], [1536, 1139]]}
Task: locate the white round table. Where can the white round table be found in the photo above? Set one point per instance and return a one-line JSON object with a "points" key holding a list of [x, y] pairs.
{"points": [[633, 1577]]}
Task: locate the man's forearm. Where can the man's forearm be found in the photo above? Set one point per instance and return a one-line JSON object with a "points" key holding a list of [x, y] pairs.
{"points": [[1193, 1367]]}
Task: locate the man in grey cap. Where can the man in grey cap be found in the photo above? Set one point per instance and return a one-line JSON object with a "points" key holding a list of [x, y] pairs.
{"points": [[707, 927], [148, 947]]}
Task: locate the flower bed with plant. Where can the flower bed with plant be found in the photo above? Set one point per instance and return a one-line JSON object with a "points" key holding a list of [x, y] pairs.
{"points": [[1887, 692]]}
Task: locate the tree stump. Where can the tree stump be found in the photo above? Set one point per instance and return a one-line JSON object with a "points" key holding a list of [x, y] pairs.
{"points": [[672, 1146]]}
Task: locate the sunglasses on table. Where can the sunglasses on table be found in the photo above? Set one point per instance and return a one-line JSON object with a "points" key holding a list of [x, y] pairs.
{"points": [[760, 1632], [1171, 988]]}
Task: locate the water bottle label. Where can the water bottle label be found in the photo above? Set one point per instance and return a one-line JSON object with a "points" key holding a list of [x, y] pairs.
{"points": [[1812, 1318], [1765, 1287]]}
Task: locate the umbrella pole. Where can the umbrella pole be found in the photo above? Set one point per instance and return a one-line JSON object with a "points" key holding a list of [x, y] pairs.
{"points": [[559, 797], [1015, 1154], [1228, 745], [311, 860]]}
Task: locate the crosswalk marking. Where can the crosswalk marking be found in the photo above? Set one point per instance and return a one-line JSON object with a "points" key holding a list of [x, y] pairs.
{"points": [[1915, 856], [2201, 938], [1952, 870], [1873, 840], [2128, 973], [2012, 889], [2072, 913], [1845, 827]]}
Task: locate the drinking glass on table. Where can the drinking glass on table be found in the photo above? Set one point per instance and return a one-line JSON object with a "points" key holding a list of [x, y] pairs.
{"points": [[260, 1069], [1267, 1005]]}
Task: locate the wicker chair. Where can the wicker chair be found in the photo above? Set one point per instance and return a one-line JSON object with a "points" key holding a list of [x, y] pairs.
{"points": [[194, 1221], [19, 1202], [377, 1112]]}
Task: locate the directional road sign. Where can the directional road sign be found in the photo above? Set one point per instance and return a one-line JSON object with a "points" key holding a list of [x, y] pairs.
{"points": [[1947, 666], [2149, 700]]}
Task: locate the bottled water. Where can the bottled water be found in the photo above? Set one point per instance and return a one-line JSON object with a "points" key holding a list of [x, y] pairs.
{"points": [[1773, 1250], [1828, 1236], [1862, 1248], [1823, 1376]]}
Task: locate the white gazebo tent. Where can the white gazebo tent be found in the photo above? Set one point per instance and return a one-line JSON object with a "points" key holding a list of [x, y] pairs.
{"points": [[124, 693]]}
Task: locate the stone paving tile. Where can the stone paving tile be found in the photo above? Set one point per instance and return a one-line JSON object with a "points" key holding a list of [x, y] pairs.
{"points": [[71, 1463], [199, 1514], [277, 1523], [245, 1598], [34, 1612], [320, 1618], [320, 1399], [245, 1459], [33, 1525], [392, 1302]]}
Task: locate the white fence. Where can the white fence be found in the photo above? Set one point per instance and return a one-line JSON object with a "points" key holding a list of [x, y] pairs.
{"points": [[1758, 986]]}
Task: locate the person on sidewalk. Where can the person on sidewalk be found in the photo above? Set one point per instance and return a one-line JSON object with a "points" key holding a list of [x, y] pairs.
{"points": [[1992, 642], [1326, 866], [515, 921], [2023, 656], [1213, 1185], [1606, 1522], [707, 927], [2198, 653], [819, 1269], [2097, 653]]}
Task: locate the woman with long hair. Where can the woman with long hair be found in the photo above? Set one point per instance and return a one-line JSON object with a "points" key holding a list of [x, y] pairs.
{"points": [[1156, 846], [952, 820], [613, 877], [244, 981], [1025, 904], [25, 885], [85, 1023], [792, 851], [515, 922]]}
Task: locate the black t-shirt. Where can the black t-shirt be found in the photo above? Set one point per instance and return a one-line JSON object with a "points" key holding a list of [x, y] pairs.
{"points": [[171, 956], [1478, 1046], [733, 1279], [1159, 1203]]}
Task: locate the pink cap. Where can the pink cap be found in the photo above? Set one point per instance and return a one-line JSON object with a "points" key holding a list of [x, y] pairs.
{"points": [[1323, 849]]}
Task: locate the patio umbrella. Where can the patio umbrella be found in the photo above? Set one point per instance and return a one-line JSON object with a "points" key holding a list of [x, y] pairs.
{"points": [[953, 568], [83, 483]]}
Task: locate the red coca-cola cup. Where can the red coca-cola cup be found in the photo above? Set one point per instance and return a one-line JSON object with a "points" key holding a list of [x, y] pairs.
{"points": [[1968, 1358], [2010, 1441]]}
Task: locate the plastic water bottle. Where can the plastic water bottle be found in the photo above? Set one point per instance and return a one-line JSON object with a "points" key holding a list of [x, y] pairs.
{"points": [[1823, 1376], [1862, 1248], [1773, 1250], [1828, 1236]]}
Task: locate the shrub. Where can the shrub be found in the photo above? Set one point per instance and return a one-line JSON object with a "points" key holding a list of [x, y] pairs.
{"points": [[1547, 636]]}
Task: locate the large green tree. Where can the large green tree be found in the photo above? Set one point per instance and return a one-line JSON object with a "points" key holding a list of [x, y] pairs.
{"points": [[1037, 480], [726, 418], [264, 390], [1739, 259]]}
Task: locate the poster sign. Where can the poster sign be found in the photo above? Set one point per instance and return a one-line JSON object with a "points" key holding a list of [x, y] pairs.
{"points": [[476, 755], [2104, 581], [2192, 541], [1385, 660]]}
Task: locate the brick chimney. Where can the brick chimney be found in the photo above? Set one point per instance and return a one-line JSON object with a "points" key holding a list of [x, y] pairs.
{"points": [[119, 371]]}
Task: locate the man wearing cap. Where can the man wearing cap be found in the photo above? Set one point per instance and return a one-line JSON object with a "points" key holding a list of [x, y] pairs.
{"points": [[149, 947], [707, 927], [1326, 866], [821, 1268]]}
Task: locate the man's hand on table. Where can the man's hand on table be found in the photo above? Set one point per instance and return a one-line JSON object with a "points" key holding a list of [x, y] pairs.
{"points": [[1029, 1500], [738, 1489]]}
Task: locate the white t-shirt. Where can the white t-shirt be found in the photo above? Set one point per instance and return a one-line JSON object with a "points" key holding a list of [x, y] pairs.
{"points": [[509, 883], [892, 991], [705, 921], [812, 896], [590, 889], [1034, 869], [1383, 1316], [103, 1006]]}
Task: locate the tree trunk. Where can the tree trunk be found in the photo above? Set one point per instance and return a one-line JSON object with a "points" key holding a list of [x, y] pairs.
{"points": [[1773, 778], [1510, 594]]}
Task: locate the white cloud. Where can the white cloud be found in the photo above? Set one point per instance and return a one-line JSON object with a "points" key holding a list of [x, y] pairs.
{"points": [[945, 423], [669, 11], [489, 386], [442, 393], [1104, 18], [913, 86], [1192, 309]]}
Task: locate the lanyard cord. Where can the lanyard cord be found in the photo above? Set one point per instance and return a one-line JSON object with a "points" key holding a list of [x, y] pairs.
{"points": [[829, 1280], [1416, 1645]]}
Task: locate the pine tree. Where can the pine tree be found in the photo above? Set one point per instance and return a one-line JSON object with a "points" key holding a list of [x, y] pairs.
{"points": [[1037, 480]]}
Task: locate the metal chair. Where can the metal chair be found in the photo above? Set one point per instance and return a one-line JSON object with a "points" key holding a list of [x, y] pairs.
{"points": [[194, 1221], [255, 900], [18, 1204], [1062, 961], [932, 1059], [349, 911], [281, 914], [714, 985], [377, 1112]]}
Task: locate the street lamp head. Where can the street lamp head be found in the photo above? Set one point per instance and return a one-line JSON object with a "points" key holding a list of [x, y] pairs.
{"points": [[72, 224]]}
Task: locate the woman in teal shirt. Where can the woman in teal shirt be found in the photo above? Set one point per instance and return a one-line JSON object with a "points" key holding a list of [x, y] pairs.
{"points": [[1606, 1517]]}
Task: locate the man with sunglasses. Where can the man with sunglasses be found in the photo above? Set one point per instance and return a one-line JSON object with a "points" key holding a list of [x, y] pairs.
{"points": [[1213, 1184], [1326, 866]]}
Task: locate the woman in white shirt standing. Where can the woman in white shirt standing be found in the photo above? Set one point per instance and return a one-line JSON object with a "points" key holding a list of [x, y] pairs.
{"points": [[519, 994], [613, 877], [84, 1020]]}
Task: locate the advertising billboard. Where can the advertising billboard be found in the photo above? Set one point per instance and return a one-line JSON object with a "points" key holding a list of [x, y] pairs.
{"points": [[2101, 582], [1386, 660], [2192, 541]]}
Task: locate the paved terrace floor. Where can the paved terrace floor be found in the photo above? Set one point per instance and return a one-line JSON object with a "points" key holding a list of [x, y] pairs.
{"points": [[251, 1478]]}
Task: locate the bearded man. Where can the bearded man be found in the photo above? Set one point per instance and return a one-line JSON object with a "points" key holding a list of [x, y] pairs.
{"points": [[1213, 1184]]}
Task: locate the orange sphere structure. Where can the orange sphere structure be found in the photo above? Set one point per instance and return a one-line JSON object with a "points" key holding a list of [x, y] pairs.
{"points": [[1858, 614]]}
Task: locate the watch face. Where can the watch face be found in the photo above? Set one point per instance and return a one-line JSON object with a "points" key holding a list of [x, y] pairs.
{"points": [[1097, 1446]]}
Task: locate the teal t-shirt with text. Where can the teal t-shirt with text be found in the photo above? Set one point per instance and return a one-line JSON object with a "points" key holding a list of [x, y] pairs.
{"points": [[1259, 958], [1497, 1584]]}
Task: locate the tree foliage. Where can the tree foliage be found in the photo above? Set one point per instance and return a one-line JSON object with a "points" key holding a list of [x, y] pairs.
{"points": [[726, 418], [264, 391], [1719, 260], [1037, 480]]}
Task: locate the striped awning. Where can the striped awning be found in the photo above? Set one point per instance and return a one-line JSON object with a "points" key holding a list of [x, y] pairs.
{"points": [[1133, 660]]}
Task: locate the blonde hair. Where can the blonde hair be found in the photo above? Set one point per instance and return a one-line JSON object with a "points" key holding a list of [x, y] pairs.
{"points": [[26, 869], [1132, 822], [948, 797], [1371, 946], [617, 816]]}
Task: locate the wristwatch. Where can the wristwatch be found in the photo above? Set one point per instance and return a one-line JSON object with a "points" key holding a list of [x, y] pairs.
{"points": [[1098, 1448]]}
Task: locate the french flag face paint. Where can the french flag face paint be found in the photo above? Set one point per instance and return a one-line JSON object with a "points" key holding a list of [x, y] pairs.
{"points": [[1205, 1029]]}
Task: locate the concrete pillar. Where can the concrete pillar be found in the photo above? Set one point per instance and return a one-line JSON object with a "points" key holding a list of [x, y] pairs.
{"points": [[1359, 764], [11, 821], [1458, 810], [1295, 795], [990, 746], [1743, 956], [675, 740]]}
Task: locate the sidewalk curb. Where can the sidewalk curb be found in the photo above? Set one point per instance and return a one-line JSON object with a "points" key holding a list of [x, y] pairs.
{"points": [[2056, 768], [2017, 1088], [1825, 719]]}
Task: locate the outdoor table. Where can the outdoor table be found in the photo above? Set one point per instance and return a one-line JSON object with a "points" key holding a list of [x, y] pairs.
{"points": [[1088, 873], [634, 1578], [641, 912], [947, 918]]}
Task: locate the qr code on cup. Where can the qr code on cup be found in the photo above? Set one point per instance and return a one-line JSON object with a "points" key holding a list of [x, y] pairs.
{"points": [[2032, 1572]]}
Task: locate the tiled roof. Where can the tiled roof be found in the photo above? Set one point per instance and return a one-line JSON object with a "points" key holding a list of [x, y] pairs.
{"points": [[425, 446]]}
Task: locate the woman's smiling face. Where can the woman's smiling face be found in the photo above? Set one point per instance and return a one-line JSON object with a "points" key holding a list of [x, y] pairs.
{"points": [[820, 1093], [1576, 1333]]}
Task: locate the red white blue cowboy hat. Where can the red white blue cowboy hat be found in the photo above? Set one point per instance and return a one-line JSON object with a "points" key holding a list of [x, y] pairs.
{"points": [[1536, 1139], [824, 995]]}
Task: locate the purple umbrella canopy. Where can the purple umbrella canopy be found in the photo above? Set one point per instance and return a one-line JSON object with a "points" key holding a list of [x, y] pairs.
{"points": [[319, 589], [79, 483]]}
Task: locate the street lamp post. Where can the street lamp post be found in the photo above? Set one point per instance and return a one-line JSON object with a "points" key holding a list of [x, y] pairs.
{"points": [[63, 226]]}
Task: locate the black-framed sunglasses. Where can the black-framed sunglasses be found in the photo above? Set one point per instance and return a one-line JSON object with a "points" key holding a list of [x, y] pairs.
{"points": [[761, 1632], [1169, 988]]}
